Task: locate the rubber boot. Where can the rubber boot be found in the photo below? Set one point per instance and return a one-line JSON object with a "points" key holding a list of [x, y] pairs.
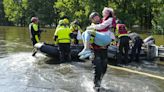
{"points": [[97, 85], [34, 51]]}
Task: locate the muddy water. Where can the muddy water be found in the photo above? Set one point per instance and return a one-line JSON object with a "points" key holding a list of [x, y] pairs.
{"points": [[20, 72]]}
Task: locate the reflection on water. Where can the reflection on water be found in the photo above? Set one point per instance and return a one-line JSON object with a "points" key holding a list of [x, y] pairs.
{"points": [[20, 72], [21, 35], [14, 40]]}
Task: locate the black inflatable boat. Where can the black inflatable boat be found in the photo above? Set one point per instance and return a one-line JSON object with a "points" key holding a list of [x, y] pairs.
{"points": [[52, 50]]}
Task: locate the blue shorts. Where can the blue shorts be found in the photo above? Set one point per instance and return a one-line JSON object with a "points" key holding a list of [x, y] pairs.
{"points": [[102, 39]]}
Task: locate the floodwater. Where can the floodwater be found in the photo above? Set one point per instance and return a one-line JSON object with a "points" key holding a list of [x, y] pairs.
{"points": [[20, 72]]}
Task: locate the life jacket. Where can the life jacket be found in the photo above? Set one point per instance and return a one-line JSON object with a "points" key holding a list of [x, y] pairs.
{"points": [[63, 34], [121, 29], [105, 29], [34, 30]]}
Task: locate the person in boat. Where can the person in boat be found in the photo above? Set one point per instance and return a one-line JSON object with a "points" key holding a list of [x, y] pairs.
{"points": [[62, 37], [123, 42], [99, 49], [101, 32], [76, 30], [136, 46], [35, 32]]}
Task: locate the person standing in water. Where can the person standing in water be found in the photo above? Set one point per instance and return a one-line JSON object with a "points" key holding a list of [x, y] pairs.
{"points": [[100, 52], [100, 30], [123, 41], [136, 47], [34, 32], [76, 30], [62, 37]]}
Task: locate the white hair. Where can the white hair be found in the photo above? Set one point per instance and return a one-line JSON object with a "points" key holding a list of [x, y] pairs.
{"points": [[107, 9]]}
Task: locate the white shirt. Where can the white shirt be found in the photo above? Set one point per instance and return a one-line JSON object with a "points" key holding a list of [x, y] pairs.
{"points": [[103, 25]]}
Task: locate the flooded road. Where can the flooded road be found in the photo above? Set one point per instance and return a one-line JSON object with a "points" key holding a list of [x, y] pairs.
{"points": [[20, 72]]}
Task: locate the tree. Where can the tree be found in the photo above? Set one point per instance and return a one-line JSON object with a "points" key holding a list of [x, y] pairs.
{"points": [[79, 9], [136, 12], [3, 19], [43, 9], [147, 13], [2, 14], [15, 10], [158, 20]]}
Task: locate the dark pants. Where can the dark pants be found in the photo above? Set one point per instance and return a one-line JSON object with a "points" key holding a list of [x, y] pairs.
{"points": [[33, 41], [123, 49], [100, 65], [34, 51], [76, 41], [64, 50], [136, 49]]}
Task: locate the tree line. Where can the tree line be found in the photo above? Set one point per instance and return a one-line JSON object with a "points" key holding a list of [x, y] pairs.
{"points": [[147, 14]]}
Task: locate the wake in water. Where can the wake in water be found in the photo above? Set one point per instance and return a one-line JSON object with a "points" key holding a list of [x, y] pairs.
{"points": [[20, 72]]}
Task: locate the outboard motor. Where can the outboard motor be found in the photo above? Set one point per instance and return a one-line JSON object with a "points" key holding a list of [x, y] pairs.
{"points": [[149, 40], [151, 49]]}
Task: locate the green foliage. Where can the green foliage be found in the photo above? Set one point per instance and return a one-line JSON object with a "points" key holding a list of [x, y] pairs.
{"points": [[74, 9], [14, 10], [43, 9], [158, 22], [147, 14], [3, 20], [79, 9]]}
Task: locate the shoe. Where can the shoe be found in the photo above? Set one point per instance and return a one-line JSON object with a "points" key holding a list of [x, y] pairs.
{"points": [[97, 86], [97, 89], [84, 52], [34, 51], [92, 57], [84, 56], [33, 54]]}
